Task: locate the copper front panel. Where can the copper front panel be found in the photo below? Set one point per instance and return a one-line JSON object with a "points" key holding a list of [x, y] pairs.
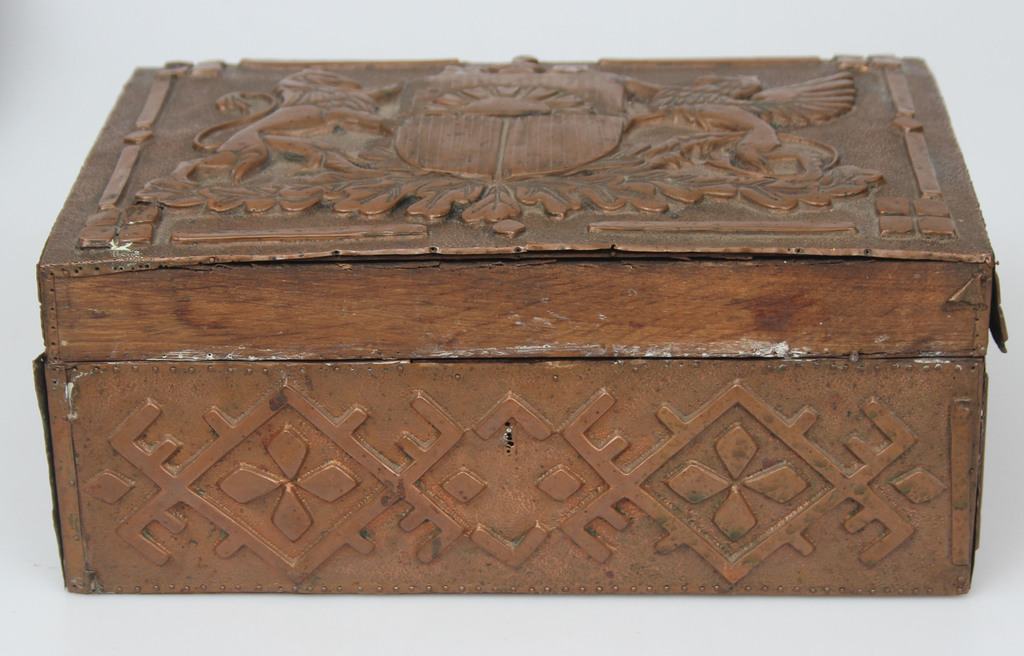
{"points": [[548, 476]]}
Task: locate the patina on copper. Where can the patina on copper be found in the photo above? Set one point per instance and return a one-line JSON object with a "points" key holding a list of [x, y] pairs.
{"points": [[602, 476], [526, 327]]}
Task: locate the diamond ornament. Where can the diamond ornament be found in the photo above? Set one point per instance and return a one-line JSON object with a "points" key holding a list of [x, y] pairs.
{"points": [[734, 516], [780, 483], [464, 485], [695, 483], [248, 483], [918, 485], [559, 483], [291, 516], [288, 451], [330, 482], [736, 449], [109, 487]]}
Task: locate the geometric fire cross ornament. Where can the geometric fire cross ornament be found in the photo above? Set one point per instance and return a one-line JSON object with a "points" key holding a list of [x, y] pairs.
{"points": [[755, 483], [284, 459], [734, 477], [507, 484], [329, 482], [696, 483], [286, 486]]}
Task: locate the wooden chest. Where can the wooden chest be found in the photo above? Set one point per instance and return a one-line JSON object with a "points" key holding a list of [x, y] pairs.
{"points": [[439, 327]]}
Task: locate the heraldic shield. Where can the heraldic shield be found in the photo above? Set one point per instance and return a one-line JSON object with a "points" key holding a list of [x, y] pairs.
{"points": [[508, 126]]}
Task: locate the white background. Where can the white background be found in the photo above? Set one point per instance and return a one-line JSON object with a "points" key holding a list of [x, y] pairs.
{"points": [[61, 67]]}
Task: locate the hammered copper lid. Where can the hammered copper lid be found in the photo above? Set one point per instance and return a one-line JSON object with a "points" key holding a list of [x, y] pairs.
{"points": [[280, 161]]}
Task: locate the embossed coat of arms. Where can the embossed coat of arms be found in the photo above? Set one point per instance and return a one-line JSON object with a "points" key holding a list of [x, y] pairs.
{"points": [[486, 144]]}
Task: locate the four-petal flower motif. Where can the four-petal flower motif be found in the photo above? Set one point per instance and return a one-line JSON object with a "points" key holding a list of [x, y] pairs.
{"points": [[736, 449], [328, 482]]}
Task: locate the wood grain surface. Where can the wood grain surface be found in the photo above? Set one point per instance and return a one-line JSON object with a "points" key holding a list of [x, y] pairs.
{"points": [[606, 308]]}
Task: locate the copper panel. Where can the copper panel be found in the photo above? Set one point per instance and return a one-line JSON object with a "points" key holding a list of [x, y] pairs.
{"points": [[809, 477], [294, 161]]}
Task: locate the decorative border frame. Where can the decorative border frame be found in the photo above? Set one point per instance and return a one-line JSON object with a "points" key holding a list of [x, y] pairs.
{"points": [[111, 226], [927, 215]]}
